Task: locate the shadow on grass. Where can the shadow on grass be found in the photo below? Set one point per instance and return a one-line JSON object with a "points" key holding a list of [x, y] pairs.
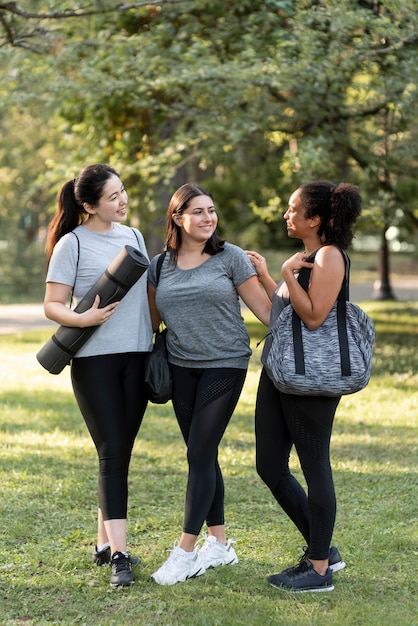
{"points": [[39, 411]]}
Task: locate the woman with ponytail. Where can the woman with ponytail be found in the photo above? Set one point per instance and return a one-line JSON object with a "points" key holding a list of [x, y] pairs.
{"points": [[107, 374], [322, 215]]}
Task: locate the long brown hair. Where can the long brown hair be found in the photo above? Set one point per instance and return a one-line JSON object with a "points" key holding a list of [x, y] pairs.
{"points": [[179, 201]]}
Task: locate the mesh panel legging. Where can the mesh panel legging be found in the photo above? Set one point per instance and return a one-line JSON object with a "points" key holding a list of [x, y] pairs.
{"points": [[305, 421], [111, 396], [204, 400]]}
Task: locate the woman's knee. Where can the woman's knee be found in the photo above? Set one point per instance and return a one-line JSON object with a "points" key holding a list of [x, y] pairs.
{"points": [[115, 457], [264, 470], [274, 477], [200, 458]]}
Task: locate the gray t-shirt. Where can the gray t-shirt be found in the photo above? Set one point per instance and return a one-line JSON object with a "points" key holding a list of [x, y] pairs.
{"points": [[202, 312], [129, 328]]}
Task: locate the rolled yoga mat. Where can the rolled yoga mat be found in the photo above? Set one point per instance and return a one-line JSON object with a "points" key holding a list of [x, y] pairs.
{"points": [[123, 272]]}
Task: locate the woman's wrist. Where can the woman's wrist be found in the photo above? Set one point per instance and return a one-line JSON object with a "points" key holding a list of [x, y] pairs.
{"points": [[287, 272]]}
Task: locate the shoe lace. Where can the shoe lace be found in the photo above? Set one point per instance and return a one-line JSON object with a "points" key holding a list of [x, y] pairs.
{"points": [[300, 568], [304, 555], [205, 544], [202, 540], [172, 559], [121, 563]]}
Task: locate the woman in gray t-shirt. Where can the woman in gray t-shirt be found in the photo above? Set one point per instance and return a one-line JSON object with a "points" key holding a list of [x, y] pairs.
{"points": [[107, 373], [197, 295]]}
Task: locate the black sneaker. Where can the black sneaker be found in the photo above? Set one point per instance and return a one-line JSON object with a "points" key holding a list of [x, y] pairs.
{"points": [[334, 560], [103, 557], [302, 579], [121, 570]]}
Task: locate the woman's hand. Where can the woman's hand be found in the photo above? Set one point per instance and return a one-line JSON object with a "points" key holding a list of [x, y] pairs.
{"points": [[56, 309], [326, 278], [95, 316], [259, 262], [295, 263], [260, 265]]}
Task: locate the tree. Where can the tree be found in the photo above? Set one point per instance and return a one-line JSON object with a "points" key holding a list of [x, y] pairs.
{"points": [[248, 97]]}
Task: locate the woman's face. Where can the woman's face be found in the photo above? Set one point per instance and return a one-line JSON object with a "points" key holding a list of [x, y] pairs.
{"points": [[297, 224], [112, 206], [199, 220]]}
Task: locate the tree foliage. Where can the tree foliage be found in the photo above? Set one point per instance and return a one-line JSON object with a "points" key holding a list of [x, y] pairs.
{"points": [[250, 98]]}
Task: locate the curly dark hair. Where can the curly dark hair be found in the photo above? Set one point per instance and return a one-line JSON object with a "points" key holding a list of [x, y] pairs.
{"points": [[338, 207]]}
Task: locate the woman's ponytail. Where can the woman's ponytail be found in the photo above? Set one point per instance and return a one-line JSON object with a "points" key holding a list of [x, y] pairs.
{"points": [[67, 217], [345, 207]]}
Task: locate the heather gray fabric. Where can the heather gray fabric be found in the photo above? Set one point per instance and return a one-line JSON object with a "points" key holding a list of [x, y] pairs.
{"points": [[279, 301], [129, 328], [201, 309]]}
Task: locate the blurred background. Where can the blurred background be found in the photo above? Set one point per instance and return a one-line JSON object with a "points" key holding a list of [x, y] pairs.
{"points": [[248, 98]]}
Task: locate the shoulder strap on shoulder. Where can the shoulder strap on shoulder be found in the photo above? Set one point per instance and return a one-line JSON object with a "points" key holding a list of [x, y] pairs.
{"points": [[305, 272], [78, 251], [136, 236], [160, 264], [76, 267]]}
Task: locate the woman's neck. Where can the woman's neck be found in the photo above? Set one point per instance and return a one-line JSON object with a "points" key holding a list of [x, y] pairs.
{"points": [[191, 255], [312, 245], [191, 248], [98, 226]]}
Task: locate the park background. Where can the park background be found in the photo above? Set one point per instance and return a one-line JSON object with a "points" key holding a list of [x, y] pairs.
{"points": [[249, 99]]}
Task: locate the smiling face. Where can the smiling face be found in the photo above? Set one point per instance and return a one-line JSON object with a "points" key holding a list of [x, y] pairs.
{"points": [[199, 220], [112, 206]]}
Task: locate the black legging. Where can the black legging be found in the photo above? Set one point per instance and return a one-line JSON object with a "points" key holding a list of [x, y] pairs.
{"points": [[110, 393], [305, 421], [204, 401]]}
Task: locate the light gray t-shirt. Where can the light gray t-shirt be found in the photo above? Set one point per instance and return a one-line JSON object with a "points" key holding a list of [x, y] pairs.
{"points": [[129, 328], [202, 312]]}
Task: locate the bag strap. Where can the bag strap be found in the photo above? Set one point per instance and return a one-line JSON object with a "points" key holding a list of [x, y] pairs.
{"points": [[76, 268], [303, 279], [159, 265], [136, 237], [160, 262]]}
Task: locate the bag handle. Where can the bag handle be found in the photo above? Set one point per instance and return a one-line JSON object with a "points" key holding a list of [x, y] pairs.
{"points": [[159, 266], [160, 262], [76, 268], [303, 279]]}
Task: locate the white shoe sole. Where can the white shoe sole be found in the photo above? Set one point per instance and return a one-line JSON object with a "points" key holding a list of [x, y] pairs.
{"points": [[337, 567], [163, 581], [221, 563]]}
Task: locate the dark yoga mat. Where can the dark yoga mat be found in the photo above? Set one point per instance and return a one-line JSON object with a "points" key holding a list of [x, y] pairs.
{"points": [[112, 286]]}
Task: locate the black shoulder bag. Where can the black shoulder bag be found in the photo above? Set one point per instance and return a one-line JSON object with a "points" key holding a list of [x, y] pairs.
{"points": [[157, 371]]}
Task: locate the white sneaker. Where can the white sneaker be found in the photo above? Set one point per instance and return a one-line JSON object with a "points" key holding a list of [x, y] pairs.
{"points": [[213, 554], [179, 566]]}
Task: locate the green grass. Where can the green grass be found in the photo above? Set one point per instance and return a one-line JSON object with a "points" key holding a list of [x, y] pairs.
{"points": [[48, 473]]}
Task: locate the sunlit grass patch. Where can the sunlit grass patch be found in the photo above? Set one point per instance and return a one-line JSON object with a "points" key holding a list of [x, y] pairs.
{"points": [[48, 474]]}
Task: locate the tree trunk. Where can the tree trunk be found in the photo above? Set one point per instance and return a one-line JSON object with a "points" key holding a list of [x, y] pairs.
{"points": [[381, 288]]}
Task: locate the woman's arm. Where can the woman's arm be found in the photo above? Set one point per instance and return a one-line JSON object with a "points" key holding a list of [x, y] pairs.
{"points": [[255, 299], [260, 265], [326, 279], [155, 314], [56, 309]]}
